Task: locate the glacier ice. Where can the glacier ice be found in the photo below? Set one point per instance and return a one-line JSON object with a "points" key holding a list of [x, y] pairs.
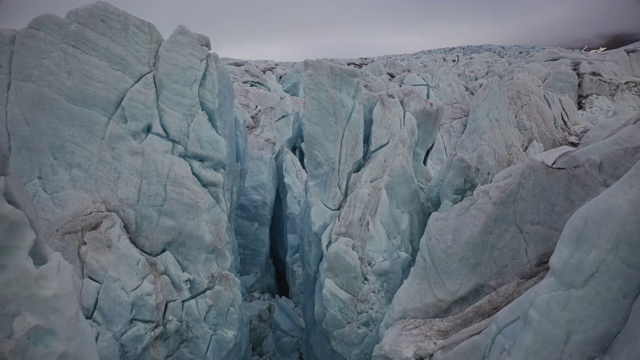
{"points": [[42, 320], [579, 309], [524, 232], [272, 121], [373, 236], [144, 159], [162, 202]]}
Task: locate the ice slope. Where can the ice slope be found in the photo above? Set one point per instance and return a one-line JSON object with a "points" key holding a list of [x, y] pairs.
{"points": [[397, 207], [127, 145], [583, 308], [508, 217]]}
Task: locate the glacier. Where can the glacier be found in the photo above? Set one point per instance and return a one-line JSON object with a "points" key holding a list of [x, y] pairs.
{"points": [[162, 202]]}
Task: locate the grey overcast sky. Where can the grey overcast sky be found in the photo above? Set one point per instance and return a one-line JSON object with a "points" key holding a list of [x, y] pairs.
{"points": [[299, 29]]}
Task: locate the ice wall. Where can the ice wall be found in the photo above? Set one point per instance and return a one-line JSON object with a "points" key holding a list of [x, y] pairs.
{"points": [[454, 203], [127, 145]]}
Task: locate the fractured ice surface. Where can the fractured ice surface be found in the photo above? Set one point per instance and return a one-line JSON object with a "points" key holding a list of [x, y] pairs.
{"points": [[456, 265], [372, 240], [585, 301], [396, 207], [272, 119], [139, 170], [43, 319]]}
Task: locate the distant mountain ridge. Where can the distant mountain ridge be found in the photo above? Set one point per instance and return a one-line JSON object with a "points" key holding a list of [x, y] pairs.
{"points": [[609, 41]]}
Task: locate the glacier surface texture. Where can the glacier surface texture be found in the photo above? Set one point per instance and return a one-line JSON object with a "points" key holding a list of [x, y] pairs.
{"points": [[161, 202]]}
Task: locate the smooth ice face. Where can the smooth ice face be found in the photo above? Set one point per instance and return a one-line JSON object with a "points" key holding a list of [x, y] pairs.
{"points": [[142, 155], [333, 129]]}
